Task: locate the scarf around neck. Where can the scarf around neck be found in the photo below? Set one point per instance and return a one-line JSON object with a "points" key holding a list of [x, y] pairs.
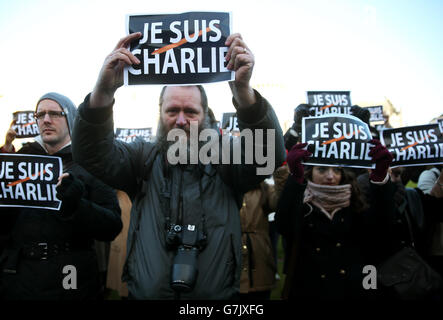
{"points": [[329, 199]]}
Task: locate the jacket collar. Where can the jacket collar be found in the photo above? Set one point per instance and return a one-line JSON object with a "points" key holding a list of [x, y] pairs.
{"points": [[62, 150]]}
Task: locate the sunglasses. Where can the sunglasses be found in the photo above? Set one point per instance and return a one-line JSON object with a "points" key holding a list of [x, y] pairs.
{"points": [[52, 114]]}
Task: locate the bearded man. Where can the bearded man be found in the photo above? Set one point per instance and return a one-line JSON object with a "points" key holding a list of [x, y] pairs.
{"points": [[184, 238]]}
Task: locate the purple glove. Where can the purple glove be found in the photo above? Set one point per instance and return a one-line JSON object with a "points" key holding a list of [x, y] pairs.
{"points": [[382, 158], [294, 159]]}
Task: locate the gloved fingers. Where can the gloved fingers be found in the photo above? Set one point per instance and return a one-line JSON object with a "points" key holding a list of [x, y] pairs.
{"points": [[298, 150], [306, 155], [378, 151], [70, 188], [375, 142], [63, 176], [382, 155], [374, 151], [65, 181], [298, 146], [381, 158], [298, 156]]}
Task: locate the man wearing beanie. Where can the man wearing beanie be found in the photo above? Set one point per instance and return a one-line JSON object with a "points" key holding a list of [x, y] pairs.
{"points": [[42, 244]]}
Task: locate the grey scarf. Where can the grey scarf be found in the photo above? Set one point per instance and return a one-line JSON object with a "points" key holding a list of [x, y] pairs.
{"points": [[329, 199]]}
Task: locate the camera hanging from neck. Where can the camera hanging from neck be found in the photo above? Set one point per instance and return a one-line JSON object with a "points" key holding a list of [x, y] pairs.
{"points": [[186, 240]]}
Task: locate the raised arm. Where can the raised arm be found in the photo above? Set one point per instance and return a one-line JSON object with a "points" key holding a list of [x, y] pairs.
{"points": [[111, 73], [241, 60], [253, 112], [93, 144], [8, 147]]}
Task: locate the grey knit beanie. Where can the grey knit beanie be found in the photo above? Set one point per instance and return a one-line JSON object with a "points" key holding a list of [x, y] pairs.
{"points": [[65, 103]]}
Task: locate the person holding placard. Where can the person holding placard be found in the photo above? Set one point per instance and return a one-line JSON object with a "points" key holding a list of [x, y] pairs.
{"points": [[49, 254], [328, 228], [184, 239], [8, 147]]}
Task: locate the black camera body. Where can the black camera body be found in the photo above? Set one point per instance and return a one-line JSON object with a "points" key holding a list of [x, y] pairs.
{"points": [[188, 241]]}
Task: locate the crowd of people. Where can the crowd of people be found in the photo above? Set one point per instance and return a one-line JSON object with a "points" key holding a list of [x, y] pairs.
{"points": [[133, 222]]}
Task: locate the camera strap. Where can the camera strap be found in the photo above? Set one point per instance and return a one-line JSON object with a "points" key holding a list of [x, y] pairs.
{"points": [[203, 215], [166, 196]]}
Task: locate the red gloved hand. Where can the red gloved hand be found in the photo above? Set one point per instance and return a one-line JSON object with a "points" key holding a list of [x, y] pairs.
{"points": [[382, 158], [294, 159]]}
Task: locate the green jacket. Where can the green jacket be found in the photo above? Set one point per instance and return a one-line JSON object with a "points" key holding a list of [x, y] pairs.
{"points": [[194, 190]]}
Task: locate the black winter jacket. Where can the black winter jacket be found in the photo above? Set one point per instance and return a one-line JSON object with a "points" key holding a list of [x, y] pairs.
{"points": [[66, 237], [331, 254], [175, 194]]}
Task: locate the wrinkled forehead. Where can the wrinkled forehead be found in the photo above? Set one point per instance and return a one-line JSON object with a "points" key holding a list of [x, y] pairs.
{"points": [[188, 95], [48, 105]]}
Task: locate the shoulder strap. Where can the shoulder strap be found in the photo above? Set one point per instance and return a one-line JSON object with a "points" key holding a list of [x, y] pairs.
{"points": [[415, 208], [408, 222]]}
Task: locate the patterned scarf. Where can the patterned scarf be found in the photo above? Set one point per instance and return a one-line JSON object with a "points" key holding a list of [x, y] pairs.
{"points": [[329, 199]]}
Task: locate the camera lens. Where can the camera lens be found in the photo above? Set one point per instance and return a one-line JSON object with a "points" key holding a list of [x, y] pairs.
{"points": [[184, 269]]}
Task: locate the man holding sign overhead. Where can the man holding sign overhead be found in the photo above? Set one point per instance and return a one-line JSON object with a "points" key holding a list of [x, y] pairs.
{"points": [[184, 240], [49, 252]]}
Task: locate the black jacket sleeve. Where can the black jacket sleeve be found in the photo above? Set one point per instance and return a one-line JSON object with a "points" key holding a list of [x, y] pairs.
{"points": [[8, 216], [259, 117], [290, 208], [94, 147], [431, 207], [379, 221], [97, 215]]}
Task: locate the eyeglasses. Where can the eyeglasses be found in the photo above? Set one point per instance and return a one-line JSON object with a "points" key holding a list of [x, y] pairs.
{"points": [[52, 114]]}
